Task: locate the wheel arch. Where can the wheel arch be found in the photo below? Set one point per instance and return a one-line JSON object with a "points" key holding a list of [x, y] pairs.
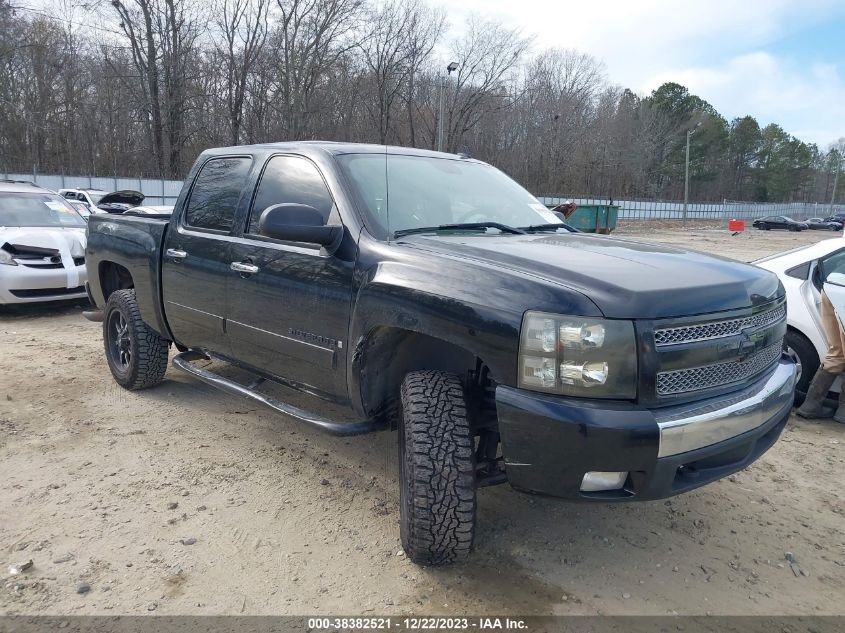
{"points": [[808, 365], [113, 276], [387, 354], [792, 328], [805, 325]]}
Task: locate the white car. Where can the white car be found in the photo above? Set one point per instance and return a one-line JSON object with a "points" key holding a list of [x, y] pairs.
{"points": [[803, 272], [89, 197], [42, 246], [101, 202]]}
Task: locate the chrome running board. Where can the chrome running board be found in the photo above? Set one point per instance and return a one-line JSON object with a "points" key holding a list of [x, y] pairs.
{"points": [[184, 361]]}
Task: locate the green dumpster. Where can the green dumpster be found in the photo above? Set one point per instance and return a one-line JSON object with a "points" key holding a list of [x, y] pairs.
{"points": [[595, 218]]}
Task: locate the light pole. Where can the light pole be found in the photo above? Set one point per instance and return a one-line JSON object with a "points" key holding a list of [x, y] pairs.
{"points": [[452, 66], [835, 182], [686, 173]]}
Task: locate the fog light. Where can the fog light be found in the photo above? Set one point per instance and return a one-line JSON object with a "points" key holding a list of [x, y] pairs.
{"points": [[597, 481]]}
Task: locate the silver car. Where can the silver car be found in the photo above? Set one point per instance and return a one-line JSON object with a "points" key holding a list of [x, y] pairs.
{"points": [[42, 246]]}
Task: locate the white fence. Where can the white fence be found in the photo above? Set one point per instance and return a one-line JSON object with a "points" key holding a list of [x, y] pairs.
{"points": [[155, 191], [166, 192], [725, 210]]}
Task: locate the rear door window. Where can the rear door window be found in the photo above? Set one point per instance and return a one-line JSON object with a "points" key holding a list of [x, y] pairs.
{"points": [[217, 189]]}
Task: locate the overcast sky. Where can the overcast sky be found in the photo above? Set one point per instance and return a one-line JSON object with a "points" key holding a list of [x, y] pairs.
{"points": [[781, 61]]}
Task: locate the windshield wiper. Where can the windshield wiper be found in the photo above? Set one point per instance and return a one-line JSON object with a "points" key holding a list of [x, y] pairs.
{"points": [[504, 228], [548, 227]]}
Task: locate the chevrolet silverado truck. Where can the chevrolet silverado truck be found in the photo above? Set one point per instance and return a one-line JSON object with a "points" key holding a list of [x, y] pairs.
{"points": [[430, 293]]}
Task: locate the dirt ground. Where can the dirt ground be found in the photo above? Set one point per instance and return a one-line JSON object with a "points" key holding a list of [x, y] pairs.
{"points": [[183, 500], [707, 237]]}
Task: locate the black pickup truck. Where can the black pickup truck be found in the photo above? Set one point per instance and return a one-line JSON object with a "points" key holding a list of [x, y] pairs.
{"points": [[431, 293]]}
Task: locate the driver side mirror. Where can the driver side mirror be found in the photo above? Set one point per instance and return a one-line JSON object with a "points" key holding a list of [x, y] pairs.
{"points": [[294, 222]]}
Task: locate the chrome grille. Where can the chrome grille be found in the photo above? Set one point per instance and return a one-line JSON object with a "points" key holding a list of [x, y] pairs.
{"points": [[716, 329], [707, 376]]}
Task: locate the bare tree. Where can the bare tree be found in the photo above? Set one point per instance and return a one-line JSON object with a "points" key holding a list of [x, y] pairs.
{"points": [[487, 54], [243, 24], [312, 36], [423, 29], [559, 93], [386, 58], [162, 35]]}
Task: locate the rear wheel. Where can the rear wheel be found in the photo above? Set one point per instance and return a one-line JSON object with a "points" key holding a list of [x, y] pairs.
{"points": [[436, 469], [801, 350], [137, 356]]}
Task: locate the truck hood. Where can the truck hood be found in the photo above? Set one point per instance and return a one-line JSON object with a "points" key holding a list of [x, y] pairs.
{"points": [[624, 278]]}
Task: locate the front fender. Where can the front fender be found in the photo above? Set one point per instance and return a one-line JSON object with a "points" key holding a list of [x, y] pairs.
{"points": [[481, 321]]}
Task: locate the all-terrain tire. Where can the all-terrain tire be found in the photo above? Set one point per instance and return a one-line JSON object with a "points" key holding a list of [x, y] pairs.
{"points": [[437, 469], [137, 356]]}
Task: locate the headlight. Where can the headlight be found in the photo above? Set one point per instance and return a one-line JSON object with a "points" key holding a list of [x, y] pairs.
{"points": [[6, 258], [578, 356]]}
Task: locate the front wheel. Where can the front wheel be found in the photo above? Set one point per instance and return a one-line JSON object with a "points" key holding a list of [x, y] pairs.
{"points": [[436, 469], [802, 351], [137, 356]]}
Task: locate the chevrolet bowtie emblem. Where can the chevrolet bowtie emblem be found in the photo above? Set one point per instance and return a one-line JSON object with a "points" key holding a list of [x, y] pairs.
{"points": [[747, 344]]}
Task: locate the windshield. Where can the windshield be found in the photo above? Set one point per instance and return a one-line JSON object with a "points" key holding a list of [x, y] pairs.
{"points": [[405, 192], [80, 207], [37, 210]]}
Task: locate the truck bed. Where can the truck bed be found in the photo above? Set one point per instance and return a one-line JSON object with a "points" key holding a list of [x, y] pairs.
{"points": [[134, 243]]}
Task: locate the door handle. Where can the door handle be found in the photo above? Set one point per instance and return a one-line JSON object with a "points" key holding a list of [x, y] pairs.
{"points": [[175, 253], [244, 267]]}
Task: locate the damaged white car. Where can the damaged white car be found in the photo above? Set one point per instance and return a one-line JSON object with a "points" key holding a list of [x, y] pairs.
{"points": [[42, 246]]}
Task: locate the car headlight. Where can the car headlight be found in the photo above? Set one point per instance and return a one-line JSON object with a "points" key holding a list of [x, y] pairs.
{"points": [[6, 258], [578, 356]]}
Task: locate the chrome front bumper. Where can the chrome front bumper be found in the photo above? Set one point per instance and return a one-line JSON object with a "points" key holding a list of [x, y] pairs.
{"points": [[704, 423]]}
